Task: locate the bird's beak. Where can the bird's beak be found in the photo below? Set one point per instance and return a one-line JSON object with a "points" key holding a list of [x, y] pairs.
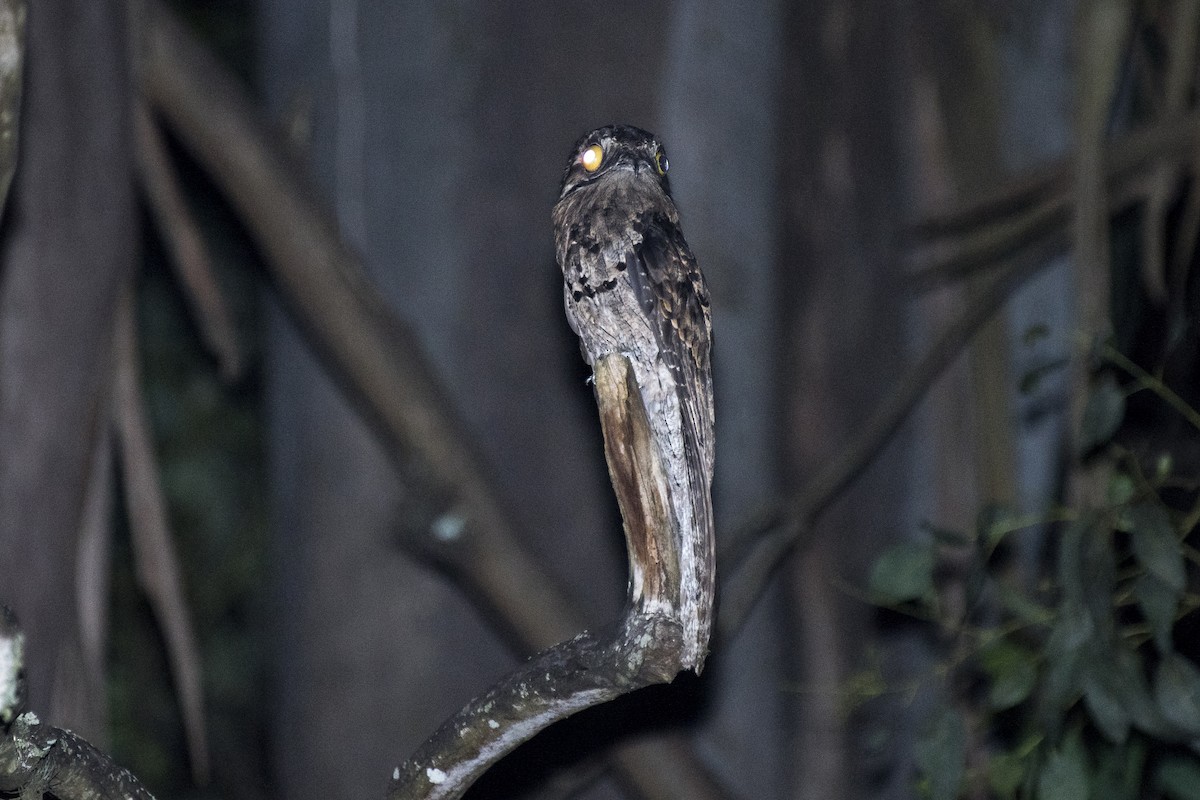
{"points": [[634, 163]]}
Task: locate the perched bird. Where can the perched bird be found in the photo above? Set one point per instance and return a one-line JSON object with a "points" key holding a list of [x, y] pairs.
{"points": [[632, 287]]}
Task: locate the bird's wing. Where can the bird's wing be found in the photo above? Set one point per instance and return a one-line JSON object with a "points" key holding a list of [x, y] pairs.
{"points": [[670, 288]]}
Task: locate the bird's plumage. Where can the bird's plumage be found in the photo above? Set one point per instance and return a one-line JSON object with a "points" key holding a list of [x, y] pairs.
{"points": [[632, 286]]}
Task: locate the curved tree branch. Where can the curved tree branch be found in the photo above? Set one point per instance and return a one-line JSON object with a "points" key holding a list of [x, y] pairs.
{"points": [[39, 760], [648, 648]]}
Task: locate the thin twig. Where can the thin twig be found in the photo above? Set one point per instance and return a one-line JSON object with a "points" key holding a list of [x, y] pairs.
{"points": [[1169, 139], [1191, 415], [1183, 250], [157, 564], [950, 246], [1181, 69], [93, 565], [1101, 36], [189, 255]]}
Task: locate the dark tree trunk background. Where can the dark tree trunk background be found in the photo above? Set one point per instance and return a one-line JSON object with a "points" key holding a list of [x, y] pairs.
{"points": [[69, 247], [841, 200]]}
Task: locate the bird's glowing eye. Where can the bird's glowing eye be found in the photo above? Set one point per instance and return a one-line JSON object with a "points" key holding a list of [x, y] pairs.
{"points": [[660, 162], [592, 157]]}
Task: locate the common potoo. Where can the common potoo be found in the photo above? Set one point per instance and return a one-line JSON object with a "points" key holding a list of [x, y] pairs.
{"points": [[632, 287]]}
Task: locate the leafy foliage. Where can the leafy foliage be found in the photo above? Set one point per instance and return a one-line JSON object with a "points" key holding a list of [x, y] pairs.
{"points": [[1076, 680]]}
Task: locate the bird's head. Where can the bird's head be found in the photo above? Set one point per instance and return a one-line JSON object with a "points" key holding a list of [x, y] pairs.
{"points": [[616, 152]]}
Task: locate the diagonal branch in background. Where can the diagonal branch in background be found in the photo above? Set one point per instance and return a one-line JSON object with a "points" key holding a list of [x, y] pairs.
{"points": [[375, 356], [189, 255], [756, 561], [1172, 139], [649, 646], [158, 570], [950, 244], [1177, 84], [379, 362], [1101, 42]]}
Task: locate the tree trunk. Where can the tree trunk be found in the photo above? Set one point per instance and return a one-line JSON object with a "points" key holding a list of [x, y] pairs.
{"points": [[68, 248]]}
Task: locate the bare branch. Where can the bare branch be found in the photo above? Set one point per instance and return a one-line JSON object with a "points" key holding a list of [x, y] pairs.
{"points": [[38, 760], [1171, 139], [648, 648], [577, 674], [794, 527], [1038, 204], [189, 256], [157, 565], [1102, 30], [326, 289], [1181, 70], [93, 564]]}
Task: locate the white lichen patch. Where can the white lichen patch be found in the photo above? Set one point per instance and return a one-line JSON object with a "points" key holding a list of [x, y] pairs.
{"points": [[12, 658], [449, 526], [493, 724], [396, 774], [435, 775]]}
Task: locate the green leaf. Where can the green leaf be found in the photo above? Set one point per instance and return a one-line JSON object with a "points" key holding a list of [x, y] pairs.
{"points": [[1121, 489], [1006, 771], [1163, 466], [1103, 703], [1177, 690], [941, 754], [1021, 606], [1012, 672], [1179, 777], [1119, 769], [1064, 775], [1102, 415], [1127, 680], [1159, 604], [948, 536], [1155, 545], [903, 572], [993, 522], [1064, 654]]}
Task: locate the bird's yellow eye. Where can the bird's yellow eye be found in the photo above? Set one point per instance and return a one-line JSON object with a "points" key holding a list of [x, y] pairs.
{"points": [[592, 157], [660, 162]]}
